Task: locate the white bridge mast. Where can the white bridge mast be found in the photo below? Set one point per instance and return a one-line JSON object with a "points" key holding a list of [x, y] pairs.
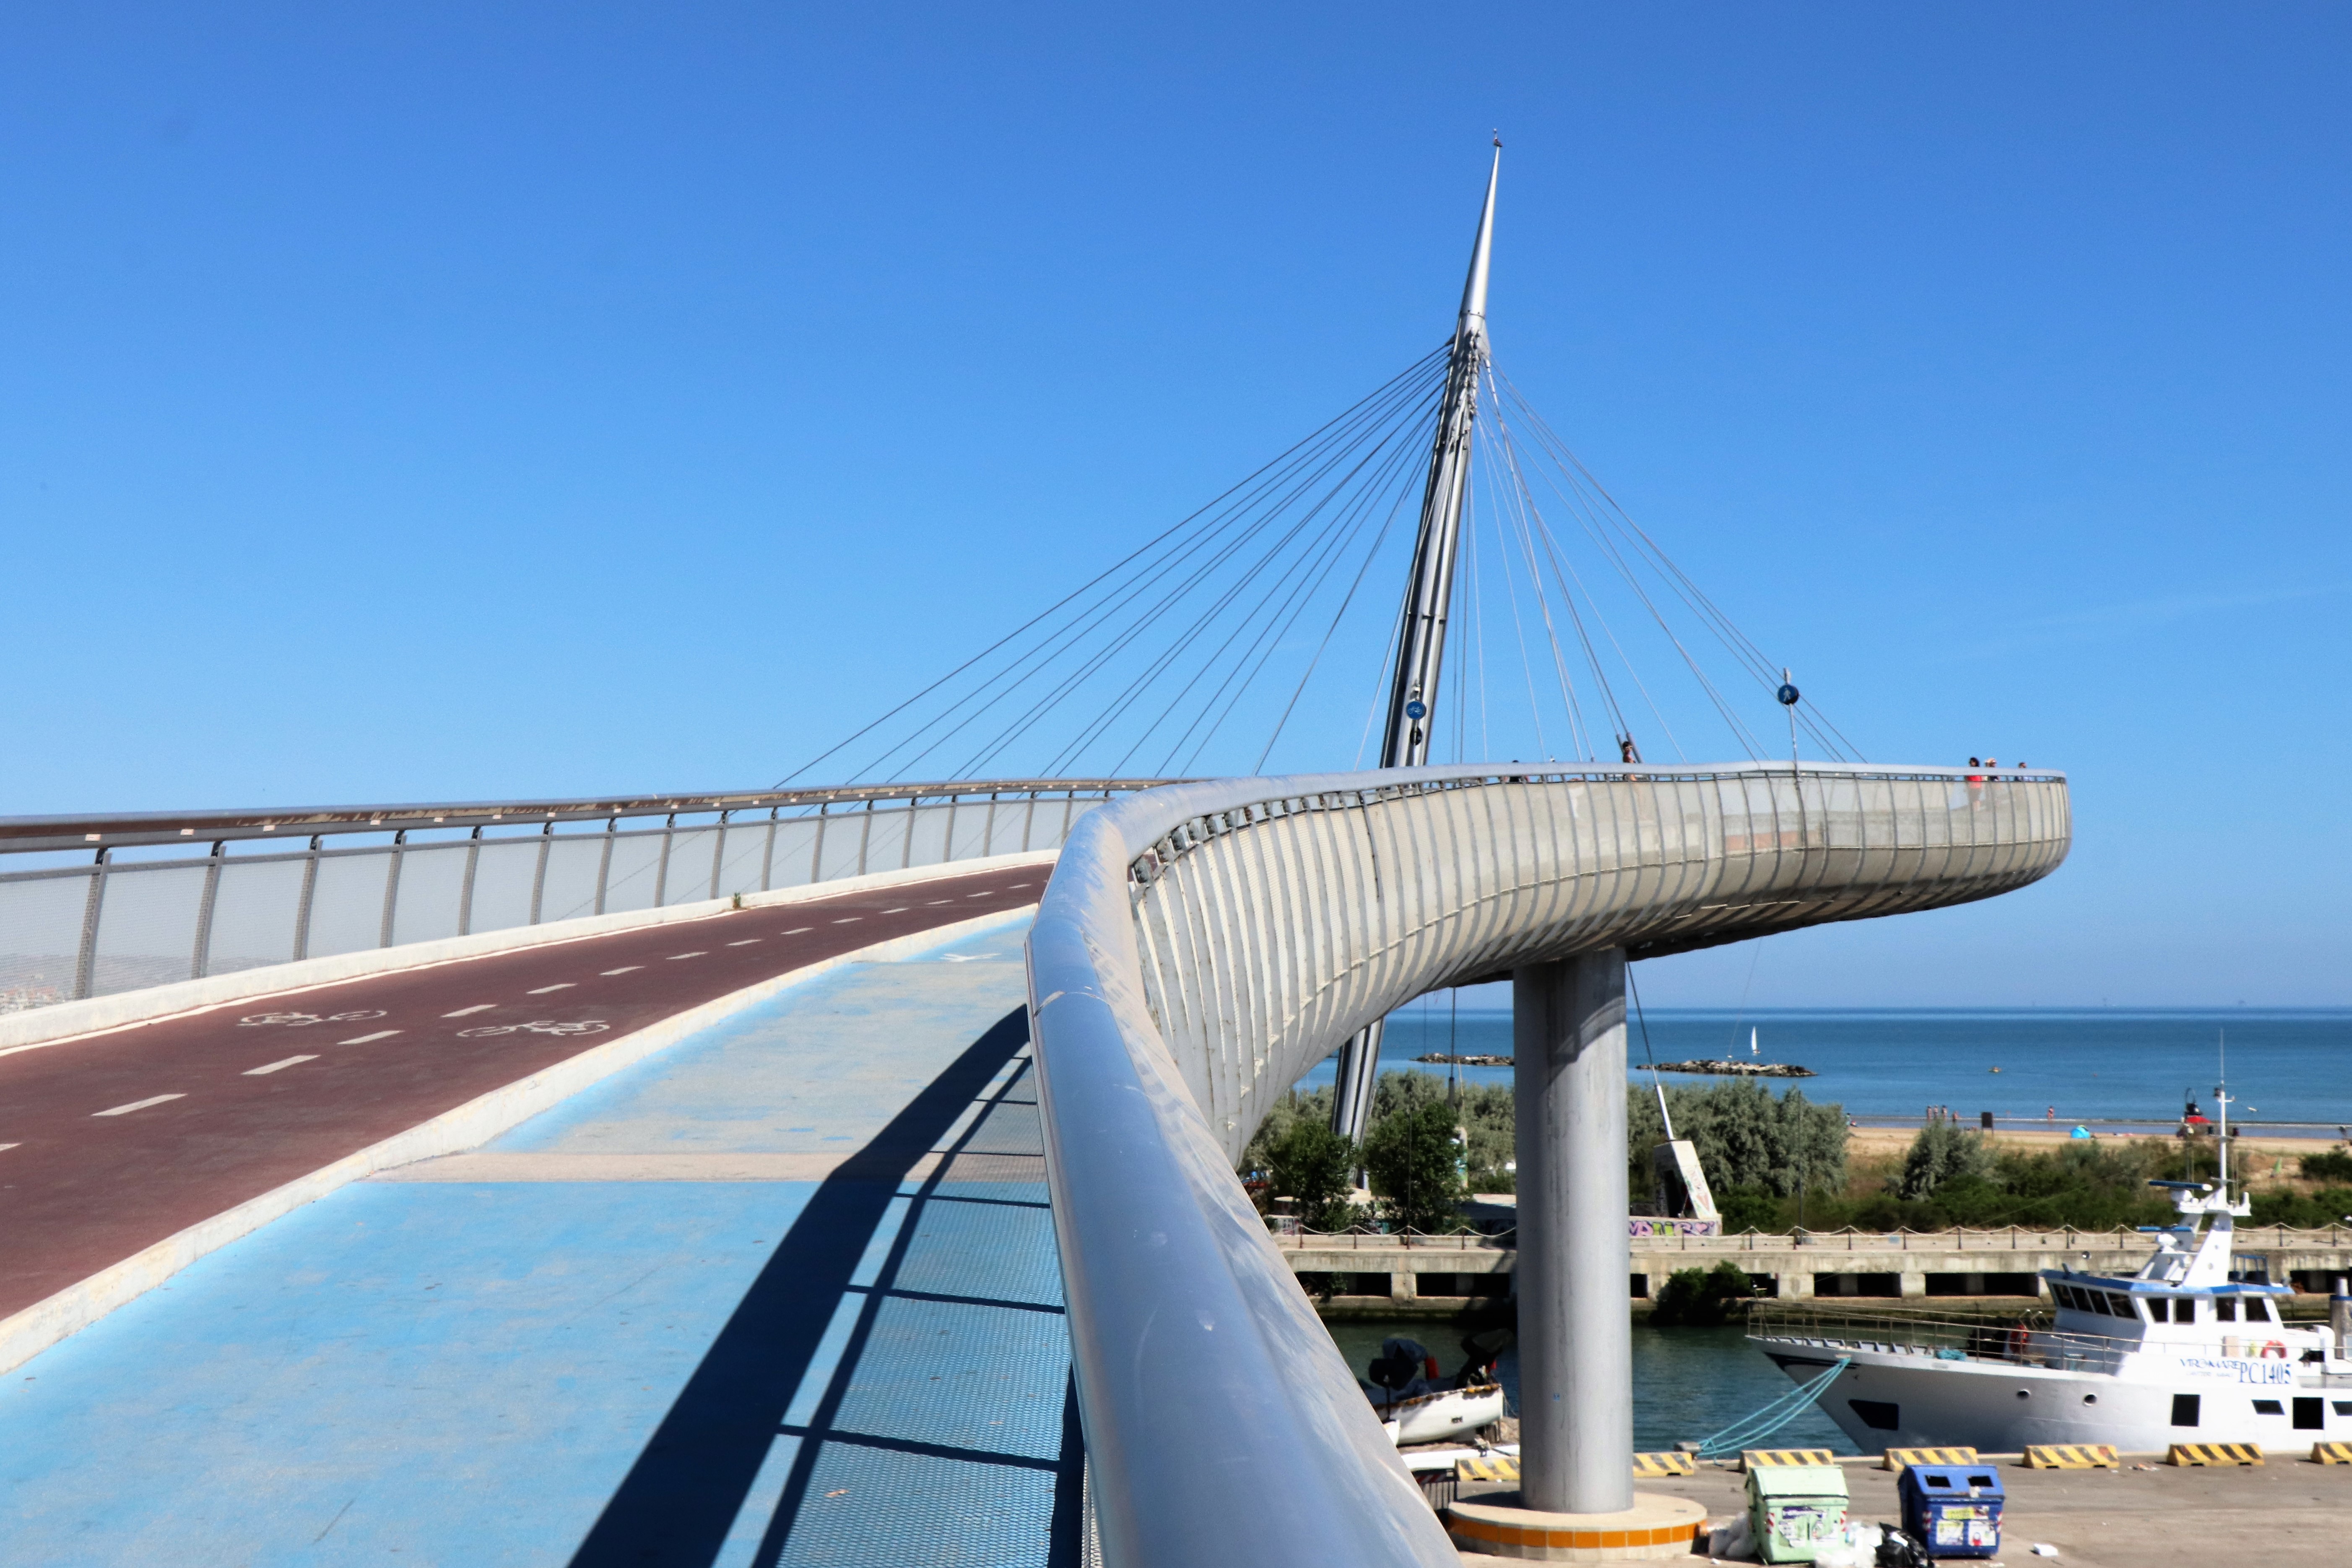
{"points": [[1429, 593]]}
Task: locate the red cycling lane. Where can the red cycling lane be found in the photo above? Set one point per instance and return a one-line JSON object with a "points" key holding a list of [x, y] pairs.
{"points": [[110, 1143]]}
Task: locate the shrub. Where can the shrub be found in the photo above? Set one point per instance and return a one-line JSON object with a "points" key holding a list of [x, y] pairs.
{"points": [[2335, 1165], [1943, 1152], [1701, 1297], [2314, 1211], [1746, 1137], [1412, 1160]]}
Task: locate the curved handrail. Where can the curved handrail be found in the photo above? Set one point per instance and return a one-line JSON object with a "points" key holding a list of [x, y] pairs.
{"points": [[1221, 1427]]}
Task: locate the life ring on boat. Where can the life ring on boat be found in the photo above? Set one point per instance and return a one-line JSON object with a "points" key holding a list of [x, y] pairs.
{"points": [[2018, 1343], [2274, 1350]]}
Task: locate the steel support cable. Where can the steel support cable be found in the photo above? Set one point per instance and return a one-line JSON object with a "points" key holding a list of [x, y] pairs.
{"points": [[1611, 516], [1565, 575], [1158, 666], [1381, 682], [1133, 627], [1741, 734], [1360, 505], [1518, 627], [1273, 637], [1254, 520], [1299, 690], [1742, 648], [1350, 519], [1418, 369], [1517, 503], [1479, 647]]}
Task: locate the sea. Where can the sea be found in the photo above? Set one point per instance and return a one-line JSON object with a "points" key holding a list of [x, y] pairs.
{"points": [[2289, 1072]]}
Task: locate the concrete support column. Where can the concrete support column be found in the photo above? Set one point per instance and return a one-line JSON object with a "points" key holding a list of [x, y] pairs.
{"points": [[1915, 1282], [1576, 1338], [1404, 1287], [1793, 1286]]}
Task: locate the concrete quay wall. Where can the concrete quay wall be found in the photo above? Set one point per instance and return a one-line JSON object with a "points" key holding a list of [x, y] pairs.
{"points": [[1831, 1265]]}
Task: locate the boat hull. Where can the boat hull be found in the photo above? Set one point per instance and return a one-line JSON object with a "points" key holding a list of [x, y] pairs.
{"points": [[1898, 1399], [1440, 1417]]}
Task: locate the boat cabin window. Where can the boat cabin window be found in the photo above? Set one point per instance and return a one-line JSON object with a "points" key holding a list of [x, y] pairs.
{"points": [[2258, 1311], [2225, 1310], [2117, 1306], [2269, 1407], [2159, 1310]]}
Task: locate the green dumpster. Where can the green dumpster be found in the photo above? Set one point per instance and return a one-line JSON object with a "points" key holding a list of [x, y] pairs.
{"points": [[1795, 1510]]}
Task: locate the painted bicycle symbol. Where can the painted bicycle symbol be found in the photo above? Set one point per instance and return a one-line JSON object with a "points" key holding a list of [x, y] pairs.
{"points": [[538, 1026], [296, 1020]]}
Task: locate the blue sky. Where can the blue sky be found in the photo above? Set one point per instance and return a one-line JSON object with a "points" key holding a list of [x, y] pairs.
{"points": [[457, 402]]}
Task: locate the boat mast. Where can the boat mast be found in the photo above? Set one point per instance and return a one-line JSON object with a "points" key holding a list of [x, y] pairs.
{"points": [[1429, 591]]}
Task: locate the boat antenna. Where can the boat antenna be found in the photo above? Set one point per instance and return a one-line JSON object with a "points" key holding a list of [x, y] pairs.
{"points": [[2222, 1103]]}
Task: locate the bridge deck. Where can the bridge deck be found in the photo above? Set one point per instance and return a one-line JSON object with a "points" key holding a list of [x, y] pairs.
{"points": [[785, 1293]]}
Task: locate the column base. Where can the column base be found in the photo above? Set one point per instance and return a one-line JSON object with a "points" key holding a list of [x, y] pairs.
{"points": [[1656, 1526]]}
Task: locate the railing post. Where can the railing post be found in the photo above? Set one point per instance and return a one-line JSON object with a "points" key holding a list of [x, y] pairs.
{"points": [[201, 958], [466, 888], [538, 872], [86, 955], [392, 885], [604, 862], [661, 868], [301, 907], [816, 855], [768, 855], [907, 839], [866, 835], [947, 839], [718, 852]]}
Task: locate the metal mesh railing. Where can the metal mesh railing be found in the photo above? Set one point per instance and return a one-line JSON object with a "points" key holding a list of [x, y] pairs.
{"points": [[117, 921]]}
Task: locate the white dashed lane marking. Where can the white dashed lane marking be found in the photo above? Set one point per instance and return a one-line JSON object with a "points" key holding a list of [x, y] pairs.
{"points": [[626, 969], [468, 1011], [746, 942], [848, 919], [899, 910], [676, 956], [985, 893], [934, 903], [363, 1039], [797, 931], [559, 985], [139, 1105], [273, 1067], [6, 1147]]}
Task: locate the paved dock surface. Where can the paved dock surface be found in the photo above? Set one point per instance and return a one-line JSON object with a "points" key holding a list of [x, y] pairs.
{"points": [[2285, 1514], [114, 1141], [786, 1292]]}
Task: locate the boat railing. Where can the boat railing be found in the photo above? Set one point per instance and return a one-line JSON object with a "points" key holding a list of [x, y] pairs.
{"points": [[2020, 1339]]}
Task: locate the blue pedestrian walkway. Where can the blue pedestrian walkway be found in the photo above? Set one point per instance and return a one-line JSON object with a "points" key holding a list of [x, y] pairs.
{"points": [[785, 1294]]}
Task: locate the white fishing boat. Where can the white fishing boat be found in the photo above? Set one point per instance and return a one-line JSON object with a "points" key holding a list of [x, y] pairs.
{"points": [[1417, 1404], [1442, 1416], [2182, 1352]]}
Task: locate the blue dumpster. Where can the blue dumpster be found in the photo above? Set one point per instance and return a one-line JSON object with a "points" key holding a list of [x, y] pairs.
{"points": [[1953, 1510]]}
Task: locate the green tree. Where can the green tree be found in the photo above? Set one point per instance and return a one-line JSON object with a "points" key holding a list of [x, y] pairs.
{"points": [[1943, 1152], [1412, 1160], [1701, 1297], [1313, 1166], [1746, 1137], [1484, 1110]]}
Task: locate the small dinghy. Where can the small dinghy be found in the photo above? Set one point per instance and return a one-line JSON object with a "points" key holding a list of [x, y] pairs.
{"points": [[1417, 1404]]}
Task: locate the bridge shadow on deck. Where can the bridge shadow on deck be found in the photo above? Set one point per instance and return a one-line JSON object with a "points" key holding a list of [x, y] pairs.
{"points": [[937, 1436]]}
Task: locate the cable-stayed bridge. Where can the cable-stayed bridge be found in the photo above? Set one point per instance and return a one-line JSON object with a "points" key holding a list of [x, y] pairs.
{"points": [[844, 1174]]}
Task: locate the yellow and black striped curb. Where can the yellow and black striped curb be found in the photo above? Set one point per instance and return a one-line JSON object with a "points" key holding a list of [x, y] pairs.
{"points": [[1505, 1470], [2331, 1453], [2214, 1454], [1757, 1459], [2075, 1457], [1901, 1459]]}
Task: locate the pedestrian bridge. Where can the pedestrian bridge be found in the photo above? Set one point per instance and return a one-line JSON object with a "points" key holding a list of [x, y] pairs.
{"points": [[1198, 947]]}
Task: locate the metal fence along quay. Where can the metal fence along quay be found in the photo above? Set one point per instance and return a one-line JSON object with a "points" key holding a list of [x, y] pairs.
{"points": [[127, 912], [1200, 946]]}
